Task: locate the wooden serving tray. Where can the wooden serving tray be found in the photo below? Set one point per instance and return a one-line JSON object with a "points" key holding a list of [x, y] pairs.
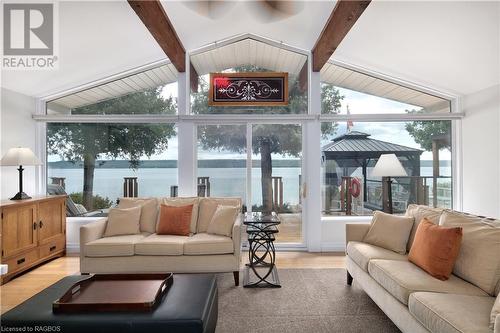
{"points": [[114, 292]]}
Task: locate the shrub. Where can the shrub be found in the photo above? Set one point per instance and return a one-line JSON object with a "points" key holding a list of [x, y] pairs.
{"points": [[99, 202]]}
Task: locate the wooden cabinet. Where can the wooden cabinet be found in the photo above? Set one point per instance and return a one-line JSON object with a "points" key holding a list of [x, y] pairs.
{"points": [[51, 220], [31, 232], [18, 229]]}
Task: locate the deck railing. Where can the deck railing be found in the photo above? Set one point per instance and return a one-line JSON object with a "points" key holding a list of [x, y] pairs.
{"points": [[405, 191]]}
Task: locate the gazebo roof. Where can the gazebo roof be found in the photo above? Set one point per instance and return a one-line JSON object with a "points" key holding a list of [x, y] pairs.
{"points": [[359, 144]]}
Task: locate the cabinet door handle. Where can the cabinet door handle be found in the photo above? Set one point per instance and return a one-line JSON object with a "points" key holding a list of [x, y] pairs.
{"points": [[41, 224], [20, 261], [52, 248], [34, 225]]}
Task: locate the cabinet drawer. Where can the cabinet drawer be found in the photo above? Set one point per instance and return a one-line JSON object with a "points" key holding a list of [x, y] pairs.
{"points": [[52, 246], [22, 260]]}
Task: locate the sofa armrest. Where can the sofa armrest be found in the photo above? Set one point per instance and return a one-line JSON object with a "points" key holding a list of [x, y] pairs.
{"points": [[355, 232], [496, 327], [237, 230], [91, 232]]}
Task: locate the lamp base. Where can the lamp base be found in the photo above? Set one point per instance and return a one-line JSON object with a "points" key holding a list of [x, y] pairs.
{"points": [[20, 196]]}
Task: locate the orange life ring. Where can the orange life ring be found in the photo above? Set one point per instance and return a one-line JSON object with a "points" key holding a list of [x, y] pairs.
{"points": [[355, 187]]}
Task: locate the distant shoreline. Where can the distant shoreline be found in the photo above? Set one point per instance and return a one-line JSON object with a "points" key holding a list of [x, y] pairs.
{"points": [[216, 163]]}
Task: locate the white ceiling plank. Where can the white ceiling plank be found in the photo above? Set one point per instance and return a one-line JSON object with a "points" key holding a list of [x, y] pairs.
{"points": [[348, 79]]}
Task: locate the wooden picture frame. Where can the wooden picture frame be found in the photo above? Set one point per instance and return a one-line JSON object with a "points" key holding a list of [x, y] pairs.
{"points": [[268, 80]]}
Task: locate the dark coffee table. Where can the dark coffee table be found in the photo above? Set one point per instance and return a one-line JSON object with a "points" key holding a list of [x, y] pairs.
{"points": [[189, 306]]}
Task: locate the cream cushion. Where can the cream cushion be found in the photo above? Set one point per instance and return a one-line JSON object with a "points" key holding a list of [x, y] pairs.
{"points": [[418, 212], [401, 278], [451, 313], [208, 206], [223, 220], [116, 246], [389, 231], [176, 202], [478, 260], [123, 221], [208, 244], [495, 311], [161, 245], [362, 253], [149, 211]]}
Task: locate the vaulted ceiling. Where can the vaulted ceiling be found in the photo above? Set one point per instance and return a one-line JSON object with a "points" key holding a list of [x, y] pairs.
{"points": [[451, 45]]}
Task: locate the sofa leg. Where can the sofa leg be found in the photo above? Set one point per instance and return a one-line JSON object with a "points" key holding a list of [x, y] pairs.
{"points": [[236, 275], [349, 279]]}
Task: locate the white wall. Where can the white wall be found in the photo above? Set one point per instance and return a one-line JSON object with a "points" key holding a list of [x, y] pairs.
{"points": [[333, 231], [481, 152], [17, 129], [73, 225]]}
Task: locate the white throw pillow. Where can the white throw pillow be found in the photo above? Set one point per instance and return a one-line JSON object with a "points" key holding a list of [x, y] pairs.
{"points": [[223, 221], [123, 221], [389, 231], [149, 211], [476, 262], [495, 312], [208, 206]]}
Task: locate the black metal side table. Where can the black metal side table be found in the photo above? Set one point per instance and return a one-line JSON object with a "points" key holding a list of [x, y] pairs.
{"points": [[261, 230]]}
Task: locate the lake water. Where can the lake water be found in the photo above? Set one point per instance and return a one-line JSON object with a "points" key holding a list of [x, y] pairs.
{"points": [[157, 181]]}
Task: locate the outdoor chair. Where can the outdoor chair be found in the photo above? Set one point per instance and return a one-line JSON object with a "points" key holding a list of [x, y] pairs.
{"points": [[73, 209]]}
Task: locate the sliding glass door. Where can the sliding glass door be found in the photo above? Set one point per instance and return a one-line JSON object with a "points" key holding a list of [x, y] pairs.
{"points": [[277, 176], [261, 163]]}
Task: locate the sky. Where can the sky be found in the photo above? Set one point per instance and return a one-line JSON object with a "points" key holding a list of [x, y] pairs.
{"points": [[358, 103]]}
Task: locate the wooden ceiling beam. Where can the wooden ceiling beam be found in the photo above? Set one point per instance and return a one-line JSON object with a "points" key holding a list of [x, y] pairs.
{"points": [[193, 78], [342, 19], [154, 17], [303, 78]]}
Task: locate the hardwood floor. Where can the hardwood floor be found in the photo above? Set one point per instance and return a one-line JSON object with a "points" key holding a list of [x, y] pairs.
{"points": [[23, 287], [39, 278]]}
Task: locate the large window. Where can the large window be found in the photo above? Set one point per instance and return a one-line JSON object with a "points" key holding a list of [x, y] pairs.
{"points": [[121, 138], [351, 150], [98, 163]]}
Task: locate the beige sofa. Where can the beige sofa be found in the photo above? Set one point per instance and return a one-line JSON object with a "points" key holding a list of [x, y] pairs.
{"points": [[415, 301], [151, 253]]}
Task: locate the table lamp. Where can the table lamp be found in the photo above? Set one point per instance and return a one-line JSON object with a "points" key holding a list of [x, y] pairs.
{"points": [[388, 165], [19, 157]]}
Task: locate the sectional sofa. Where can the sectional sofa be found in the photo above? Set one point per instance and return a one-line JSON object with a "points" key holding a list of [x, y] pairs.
{"points": [[148, 252], [417, 302]]}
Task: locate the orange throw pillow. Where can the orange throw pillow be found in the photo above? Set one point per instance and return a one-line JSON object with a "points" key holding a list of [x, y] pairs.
{"points": [[435, 249], [174, 220]]}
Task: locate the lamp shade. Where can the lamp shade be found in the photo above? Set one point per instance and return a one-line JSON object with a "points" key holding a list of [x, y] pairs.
{"points": [[19, 156], [388, 165]]}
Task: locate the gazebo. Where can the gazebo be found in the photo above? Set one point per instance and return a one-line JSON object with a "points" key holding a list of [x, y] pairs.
{"points": [[355, 149]]}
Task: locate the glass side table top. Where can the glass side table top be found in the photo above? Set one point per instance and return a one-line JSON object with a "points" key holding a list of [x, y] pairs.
{"points": [[260, 218]]}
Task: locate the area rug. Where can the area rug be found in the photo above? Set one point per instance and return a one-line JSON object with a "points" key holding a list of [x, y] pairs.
{"points": [[310, 300]]}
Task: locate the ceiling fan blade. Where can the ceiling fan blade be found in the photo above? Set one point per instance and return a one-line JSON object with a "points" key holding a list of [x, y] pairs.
{"points": [[210, 9], [274, 10]]}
